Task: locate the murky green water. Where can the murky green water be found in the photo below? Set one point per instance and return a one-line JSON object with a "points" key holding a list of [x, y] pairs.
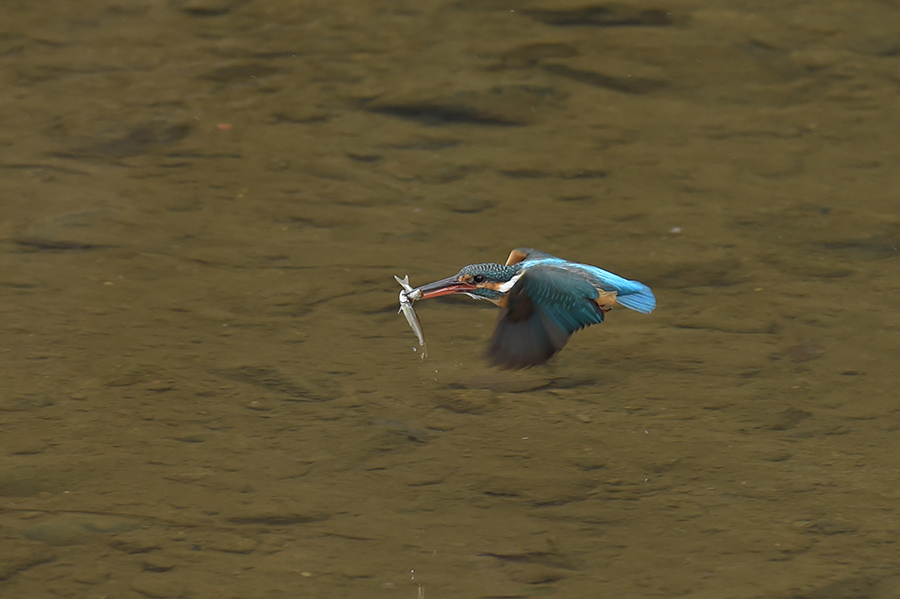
{"points": [[205, 390]]}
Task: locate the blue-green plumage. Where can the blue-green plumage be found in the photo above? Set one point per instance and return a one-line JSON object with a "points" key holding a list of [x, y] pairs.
{"points": [[543, 300]]}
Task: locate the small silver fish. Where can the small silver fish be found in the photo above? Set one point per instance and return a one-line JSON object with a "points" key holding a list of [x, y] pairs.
{"points": [[407, 297]]}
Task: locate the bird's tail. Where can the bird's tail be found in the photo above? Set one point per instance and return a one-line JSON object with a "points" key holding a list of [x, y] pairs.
{"points": [[637, 297]]}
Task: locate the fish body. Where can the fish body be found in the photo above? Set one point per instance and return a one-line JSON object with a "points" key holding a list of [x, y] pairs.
{"points": [[407, 296]]}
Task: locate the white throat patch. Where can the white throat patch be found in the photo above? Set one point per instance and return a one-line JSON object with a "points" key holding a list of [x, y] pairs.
{"points": [[509, 284]]}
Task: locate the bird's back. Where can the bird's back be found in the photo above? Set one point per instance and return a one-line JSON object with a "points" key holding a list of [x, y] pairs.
{"points": [[630, 294]]}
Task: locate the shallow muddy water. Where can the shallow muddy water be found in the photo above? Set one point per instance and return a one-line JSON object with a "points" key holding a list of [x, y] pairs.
{"points": [[205, 389]]}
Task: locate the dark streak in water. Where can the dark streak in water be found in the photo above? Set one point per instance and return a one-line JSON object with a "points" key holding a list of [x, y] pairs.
{"points": [[34, 244], [601, 16], [443, 114], [628, 85]]}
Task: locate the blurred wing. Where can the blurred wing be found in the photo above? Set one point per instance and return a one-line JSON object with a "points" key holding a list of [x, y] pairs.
{"points": [[543, 309]]}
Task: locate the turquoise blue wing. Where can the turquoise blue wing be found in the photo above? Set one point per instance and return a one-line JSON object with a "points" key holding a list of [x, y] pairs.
{"points": [[630, 294]]}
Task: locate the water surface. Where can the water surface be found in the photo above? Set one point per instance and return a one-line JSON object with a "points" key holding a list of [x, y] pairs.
{"points": [[205, 390]]}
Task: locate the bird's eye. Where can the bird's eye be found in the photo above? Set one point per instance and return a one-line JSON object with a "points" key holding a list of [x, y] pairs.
{"points": [[478, 279]]}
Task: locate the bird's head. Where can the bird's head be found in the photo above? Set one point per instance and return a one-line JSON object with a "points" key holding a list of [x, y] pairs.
{"points": [[488, 281]]}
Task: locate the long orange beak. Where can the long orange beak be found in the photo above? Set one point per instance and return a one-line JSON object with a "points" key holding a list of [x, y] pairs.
{"points": [[445, 287]]}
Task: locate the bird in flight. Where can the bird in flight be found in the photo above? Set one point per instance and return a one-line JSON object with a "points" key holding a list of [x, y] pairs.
{"points": [[543, 300]]}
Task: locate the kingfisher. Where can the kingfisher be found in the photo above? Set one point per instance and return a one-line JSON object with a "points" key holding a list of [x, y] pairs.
{"points": [[543, 300]]}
